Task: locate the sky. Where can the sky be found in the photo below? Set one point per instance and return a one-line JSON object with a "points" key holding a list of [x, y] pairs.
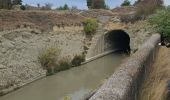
{"points": [[81, 4]]}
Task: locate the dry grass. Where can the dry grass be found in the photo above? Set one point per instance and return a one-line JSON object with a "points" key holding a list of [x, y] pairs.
{"points": [[48, 57], [154, 87], [43, 20]]}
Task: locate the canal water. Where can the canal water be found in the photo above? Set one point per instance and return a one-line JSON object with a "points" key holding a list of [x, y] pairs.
{"points": [[74, 83]]}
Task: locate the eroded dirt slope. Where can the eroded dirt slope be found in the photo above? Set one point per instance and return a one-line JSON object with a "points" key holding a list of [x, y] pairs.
{"points": [[19, 51]]}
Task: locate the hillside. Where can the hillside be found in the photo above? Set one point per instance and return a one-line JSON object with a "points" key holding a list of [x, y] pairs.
{"points": [[43, 20]]}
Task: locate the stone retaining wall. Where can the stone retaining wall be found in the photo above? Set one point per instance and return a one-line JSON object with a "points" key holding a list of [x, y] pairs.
{"points": [[125, 82]]}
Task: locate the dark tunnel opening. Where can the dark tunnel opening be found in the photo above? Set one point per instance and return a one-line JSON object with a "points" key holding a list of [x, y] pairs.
{"points": [[120, 40]]}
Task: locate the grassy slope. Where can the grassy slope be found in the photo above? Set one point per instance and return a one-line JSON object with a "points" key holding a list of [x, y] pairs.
{"points": [[154, 87]]}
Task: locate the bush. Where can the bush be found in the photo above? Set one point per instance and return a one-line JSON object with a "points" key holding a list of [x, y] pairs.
{"points": [[90, 26], [48, 58], [50, 72], [22, 7], [63, 65], [77, 60], [161, 21]]}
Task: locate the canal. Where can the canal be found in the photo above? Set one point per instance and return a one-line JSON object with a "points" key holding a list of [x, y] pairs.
{"points": [[74, 83]]}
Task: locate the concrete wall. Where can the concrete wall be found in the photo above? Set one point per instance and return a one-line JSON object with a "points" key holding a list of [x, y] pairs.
{"points": [[99, 46], [125, 82]]}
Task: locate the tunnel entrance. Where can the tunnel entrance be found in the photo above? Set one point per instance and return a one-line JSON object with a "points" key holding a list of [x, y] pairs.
{"points": [[119, 39]]}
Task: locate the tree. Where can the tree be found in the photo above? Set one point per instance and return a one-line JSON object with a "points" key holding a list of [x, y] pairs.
{"points": [[89, 4], [161, 21], [22, 7], [98, 4], [17, 2], [5, 4], [126, 3], [1, 4], [65, 7], [38, 5]]}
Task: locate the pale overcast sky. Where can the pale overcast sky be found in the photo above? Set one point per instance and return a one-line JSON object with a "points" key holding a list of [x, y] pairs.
{"points": [[79, 3]]}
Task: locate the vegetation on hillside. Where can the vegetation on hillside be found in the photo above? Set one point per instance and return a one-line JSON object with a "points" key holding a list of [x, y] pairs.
{"points": [[161, 21], [147, 7], [96, 4], [48, 57], [7, 4], [77, 60], [49, 60], [65, 7], [154, 86], [63, 64], [90, 26], [17, 2], [144, 9], [126, 3]]}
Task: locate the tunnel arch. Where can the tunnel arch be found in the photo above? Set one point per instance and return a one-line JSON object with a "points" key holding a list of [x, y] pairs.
{"points": [[119, 39]]}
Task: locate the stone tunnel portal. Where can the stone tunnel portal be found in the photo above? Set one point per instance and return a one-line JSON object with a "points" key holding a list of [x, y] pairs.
{"points": [[119, 39]]}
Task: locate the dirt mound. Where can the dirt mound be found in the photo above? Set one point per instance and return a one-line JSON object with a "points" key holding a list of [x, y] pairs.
{"points": [[44, 20]]}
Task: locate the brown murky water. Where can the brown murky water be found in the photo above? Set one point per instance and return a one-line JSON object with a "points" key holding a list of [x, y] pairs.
{"points": [[73, 83]]}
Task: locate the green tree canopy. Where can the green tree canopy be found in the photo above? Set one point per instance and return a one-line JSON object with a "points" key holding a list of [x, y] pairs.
{"points": [[89, 4], [65, 7], [17, 2], [5, 4], [161, 21], [96, 4], [126, 3]]}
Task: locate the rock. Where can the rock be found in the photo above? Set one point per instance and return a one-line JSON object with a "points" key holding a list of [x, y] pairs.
{"points": [[7, 45], [2, 66], [168, 45]]}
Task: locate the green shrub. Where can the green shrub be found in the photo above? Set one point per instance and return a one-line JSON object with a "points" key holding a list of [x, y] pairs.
{"points": [[77, 60], [161, 21], [50, 71], [22, 7], [1, 94], [90, 26], [63, 65], [48, 58], [86, 47]]}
